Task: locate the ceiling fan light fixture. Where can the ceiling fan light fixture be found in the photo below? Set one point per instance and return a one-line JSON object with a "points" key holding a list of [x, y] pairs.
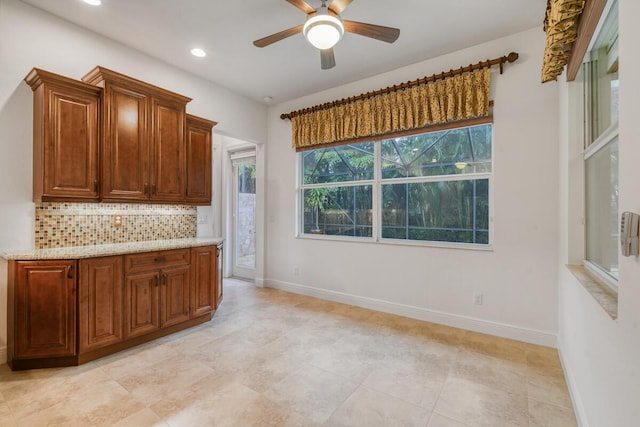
{"points": [[323, 30]]}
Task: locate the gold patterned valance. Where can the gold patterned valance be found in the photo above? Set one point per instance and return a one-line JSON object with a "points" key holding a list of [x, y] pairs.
{"points": [[462, 96], [560, 24]]}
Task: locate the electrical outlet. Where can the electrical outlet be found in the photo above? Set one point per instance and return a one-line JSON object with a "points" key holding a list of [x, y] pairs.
{"points": [[477, 298], [117, 220]]}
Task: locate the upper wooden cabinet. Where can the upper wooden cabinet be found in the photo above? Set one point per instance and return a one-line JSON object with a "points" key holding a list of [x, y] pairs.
{"points": [[143, 139], [198, 154], [65, 138]]}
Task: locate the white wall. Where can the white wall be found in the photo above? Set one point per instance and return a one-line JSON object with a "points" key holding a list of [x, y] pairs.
{"points": [[601, 356], [518, 277], [32, 38]]}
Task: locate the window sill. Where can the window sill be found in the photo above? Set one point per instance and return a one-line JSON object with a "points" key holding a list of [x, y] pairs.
{"points": [[607, 298], [398, 242]]}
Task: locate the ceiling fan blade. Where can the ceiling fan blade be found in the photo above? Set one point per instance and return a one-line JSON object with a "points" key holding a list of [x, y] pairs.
{"points": [[302, 5], [338, 6], [266, 41], [378, 32], [327, 60]]}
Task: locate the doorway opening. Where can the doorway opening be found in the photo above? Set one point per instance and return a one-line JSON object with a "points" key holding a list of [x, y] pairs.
{"points": [[243, 230]]}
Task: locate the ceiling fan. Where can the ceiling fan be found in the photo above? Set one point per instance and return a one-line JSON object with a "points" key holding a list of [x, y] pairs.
{"points": [[324, 28]]}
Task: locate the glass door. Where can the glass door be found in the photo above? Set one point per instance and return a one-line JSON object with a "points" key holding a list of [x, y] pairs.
{"points": [[244, 215]]}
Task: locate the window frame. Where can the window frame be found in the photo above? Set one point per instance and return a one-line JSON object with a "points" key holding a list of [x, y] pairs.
{"points": [[591, 147], [377, 183]]}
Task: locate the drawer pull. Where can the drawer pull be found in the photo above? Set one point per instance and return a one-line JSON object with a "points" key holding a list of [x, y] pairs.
{"points": [[160, 259]]}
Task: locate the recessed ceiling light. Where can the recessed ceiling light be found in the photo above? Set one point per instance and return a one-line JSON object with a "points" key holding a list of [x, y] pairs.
{"points": [[93, 2], [196, 51]]}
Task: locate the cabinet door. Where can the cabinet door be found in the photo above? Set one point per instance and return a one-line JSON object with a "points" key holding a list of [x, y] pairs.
{"points": [[203, 280], [100, 302], [174, 295], [198, 153], [70, 144], [167, 159], [218, 278], [125, 145], [65, 137], [45, 309], [141, 304]]}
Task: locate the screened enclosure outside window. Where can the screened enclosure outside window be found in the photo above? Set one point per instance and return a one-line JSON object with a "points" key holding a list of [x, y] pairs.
{"points": [[431, 187]]}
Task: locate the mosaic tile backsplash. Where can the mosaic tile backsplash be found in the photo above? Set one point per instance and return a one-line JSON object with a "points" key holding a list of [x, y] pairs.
{"points": [[61, 225]]}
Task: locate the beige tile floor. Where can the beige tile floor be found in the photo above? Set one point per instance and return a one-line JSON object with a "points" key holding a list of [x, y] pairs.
{"points": [[270, 358]]}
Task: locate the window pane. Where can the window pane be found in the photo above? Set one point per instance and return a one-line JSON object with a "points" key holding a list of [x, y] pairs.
{"points": [[338, 211], [447, 211], [602, 208], [338, 164], [450, 152], [601, 78]]}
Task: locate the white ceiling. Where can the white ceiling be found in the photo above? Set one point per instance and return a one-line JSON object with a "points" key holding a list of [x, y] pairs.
{"points": [[167, 29]]}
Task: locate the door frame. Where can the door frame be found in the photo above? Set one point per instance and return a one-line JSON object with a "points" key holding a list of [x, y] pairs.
{"points": [[224, 202]]}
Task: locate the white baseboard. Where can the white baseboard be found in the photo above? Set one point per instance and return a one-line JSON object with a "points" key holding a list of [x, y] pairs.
{"points": [[259, 282], [464, 322], [3, 355], [578, 406]]}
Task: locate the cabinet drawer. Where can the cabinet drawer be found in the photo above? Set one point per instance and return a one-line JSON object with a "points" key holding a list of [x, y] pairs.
{"points": [[136, 263]]}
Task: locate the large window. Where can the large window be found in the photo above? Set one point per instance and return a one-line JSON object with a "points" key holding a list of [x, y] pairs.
{"points": [[600, 84], [431, 187]]}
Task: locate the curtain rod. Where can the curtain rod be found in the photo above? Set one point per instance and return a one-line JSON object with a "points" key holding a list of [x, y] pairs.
{"points": [[510, 58]]}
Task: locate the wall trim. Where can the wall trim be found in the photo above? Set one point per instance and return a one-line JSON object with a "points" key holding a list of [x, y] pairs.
{"points": [[3, 355], [503, 330], [578, 406], [259, 282]]}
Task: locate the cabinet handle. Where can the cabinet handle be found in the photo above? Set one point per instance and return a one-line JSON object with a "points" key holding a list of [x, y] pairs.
{"points": [[166, 279], [95, 186], [154, 189], [146, 189], [69, 272], [157, 281]]}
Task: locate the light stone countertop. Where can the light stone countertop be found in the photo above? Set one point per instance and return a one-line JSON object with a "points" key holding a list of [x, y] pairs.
{"points": [[77, 252]]}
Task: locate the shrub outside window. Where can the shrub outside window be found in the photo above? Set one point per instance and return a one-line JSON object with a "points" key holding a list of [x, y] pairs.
{"points": [[431, 187]]}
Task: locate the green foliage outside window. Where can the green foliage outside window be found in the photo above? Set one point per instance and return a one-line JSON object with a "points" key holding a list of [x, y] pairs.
{"points": [[422, 195]]}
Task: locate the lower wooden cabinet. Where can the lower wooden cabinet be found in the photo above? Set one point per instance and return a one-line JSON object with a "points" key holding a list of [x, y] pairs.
{"points": [[100, 303], [158, 296], [219, 263], [174, 295], [121, 301], [141, 305], [41, 310], [203, 280]]}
